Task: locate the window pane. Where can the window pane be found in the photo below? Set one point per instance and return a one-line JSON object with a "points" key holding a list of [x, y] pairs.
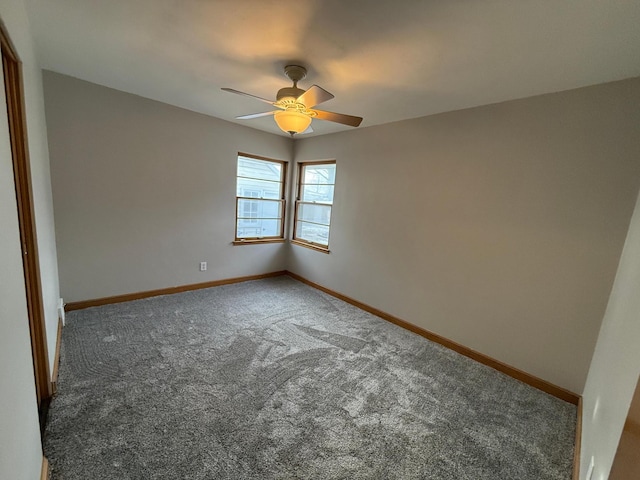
{"points": [[259, 209], [312, 233], [323, 174], [248, 187], [314, 213], [317, 193], [258, 228], [260, 169]]}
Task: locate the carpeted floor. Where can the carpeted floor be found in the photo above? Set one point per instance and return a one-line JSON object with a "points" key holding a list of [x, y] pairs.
{"points": [[272, 379]]}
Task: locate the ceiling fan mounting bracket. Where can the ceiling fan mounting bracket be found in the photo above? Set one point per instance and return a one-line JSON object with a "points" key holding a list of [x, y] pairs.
{"points": [[295, 73]]}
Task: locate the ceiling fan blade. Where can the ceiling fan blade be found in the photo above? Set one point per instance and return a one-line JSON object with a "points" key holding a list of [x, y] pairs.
{"points": [[338, 118], [231, 90], [255, 115], [314, 96]]}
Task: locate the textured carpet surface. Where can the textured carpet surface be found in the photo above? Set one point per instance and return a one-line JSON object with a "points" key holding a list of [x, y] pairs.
{"points": [[272, 379]]}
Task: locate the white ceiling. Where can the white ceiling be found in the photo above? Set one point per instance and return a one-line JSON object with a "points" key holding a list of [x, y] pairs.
{"points": [[384, 60]]}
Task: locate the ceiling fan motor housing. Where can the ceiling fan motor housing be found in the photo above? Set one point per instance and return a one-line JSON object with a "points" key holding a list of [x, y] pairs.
{"points": [[292, 92]]}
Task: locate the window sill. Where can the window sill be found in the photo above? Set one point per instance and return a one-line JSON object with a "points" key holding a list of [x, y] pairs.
{"points": [[312, 246], [254, 241]]}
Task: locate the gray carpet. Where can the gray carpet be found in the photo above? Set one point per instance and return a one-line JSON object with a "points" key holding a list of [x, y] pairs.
{"points": [[272, 379]]}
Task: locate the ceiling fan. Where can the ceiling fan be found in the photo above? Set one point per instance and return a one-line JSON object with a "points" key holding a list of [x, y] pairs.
{"points": [[296, 105]]}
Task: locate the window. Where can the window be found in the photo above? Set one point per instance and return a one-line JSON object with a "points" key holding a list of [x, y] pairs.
{"points": [[314, 200], [259, 199]]}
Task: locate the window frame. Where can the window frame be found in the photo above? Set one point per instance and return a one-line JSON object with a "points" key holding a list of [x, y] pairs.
{"points": [[298, 202], [281, 200]]}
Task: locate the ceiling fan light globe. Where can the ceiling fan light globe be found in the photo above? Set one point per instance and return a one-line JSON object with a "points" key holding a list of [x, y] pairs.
{"points": [[292, 121]]}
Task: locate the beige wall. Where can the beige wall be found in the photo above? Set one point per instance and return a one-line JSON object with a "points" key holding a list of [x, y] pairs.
{"points": [[633, 415], [20, 451], [616, 362], [499, 227], [144, 191]]}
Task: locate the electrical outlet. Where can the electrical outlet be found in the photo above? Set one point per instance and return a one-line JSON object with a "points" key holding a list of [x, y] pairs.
{"points": [[590, 471], [203, 266]]}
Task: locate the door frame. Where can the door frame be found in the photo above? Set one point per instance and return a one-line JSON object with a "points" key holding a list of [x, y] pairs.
{"points": [[14, 92]]}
